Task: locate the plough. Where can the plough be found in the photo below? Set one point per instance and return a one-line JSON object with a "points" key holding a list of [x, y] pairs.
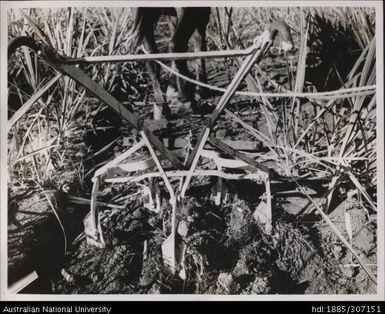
{"points": [[116, 170]]}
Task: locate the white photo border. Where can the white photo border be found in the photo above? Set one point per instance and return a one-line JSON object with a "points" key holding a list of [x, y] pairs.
{"points": [[379, 296]]}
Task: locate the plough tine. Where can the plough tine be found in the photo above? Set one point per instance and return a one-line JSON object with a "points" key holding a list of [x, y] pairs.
{"points": [[259, 167], [268, 225], [92, 228], [158, 164], [171, 246], [195, 161]]}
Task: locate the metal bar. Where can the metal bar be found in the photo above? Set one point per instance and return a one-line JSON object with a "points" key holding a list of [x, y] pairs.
{"points": [[83, 79], [123, 168], [241, 74], [251, 146], [158, 164], [231, 151], [199, 147], [259, 176], [223, 162], [162, 56], [22, 283]]}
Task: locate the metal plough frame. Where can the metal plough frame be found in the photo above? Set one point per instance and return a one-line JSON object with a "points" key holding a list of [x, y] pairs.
{"points": [[184, 171], [262, 173]]}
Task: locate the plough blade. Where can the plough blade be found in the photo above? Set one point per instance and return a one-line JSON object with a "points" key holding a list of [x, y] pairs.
{"points": [[173, 249], [93, 232], [92, 227]]}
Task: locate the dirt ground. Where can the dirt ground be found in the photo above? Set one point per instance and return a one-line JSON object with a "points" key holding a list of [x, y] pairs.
{"points": [[228, 252]]}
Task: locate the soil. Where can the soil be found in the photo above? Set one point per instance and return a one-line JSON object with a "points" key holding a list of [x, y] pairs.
{"points": [[228, 252]]}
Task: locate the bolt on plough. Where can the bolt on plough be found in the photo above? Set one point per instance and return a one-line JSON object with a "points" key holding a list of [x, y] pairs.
{"points": [[172, 247]]}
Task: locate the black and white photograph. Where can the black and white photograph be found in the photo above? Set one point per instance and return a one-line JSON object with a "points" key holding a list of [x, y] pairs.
{"points": [[192, 150]]}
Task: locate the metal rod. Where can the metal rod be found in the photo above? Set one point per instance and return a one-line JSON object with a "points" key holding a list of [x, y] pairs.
{"points": [[159, 166], [22, 283], [258, 175], [199, 146], [237, 154], [162, 56]]}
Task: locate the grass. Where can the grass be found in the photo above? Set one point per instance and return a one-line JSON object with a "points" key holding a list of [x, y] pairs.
{"points": [[64, 108], [303, 131]]}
